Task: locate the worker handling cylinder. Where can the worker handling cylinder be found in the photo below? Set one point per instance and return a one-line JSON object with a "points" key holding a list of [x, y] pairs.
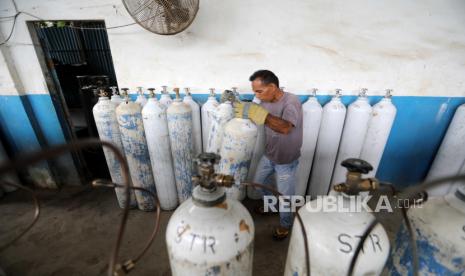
{"points": [[207, 108], [236, 153], [179, 117], [158, 142], [332, 236], [196, 122], [312, 111], [439, 230], [210, 234], [220, 116], [332, 122], [108, 130], [356, 124], [281, 113], [131, 127]]}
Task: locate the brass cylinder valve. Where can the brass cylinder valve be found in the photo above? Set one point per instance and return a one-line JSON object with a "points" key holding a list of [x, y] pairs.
{"points": [[354, 181], [206, 176]]}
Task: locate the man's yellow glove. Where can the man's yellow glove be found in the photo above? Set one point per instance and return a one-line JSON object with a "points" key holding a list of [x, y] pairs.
{"points": [[251, 111]]}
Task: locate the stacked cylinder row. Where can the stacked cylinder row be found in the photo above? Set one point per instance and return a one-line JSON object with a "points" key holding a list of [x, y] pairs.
{"points": [[160, 139]]}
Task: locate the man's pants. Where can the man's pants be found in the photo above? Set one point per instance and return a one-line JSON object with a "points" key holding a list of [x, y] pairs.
{"points": [[285, 182]]}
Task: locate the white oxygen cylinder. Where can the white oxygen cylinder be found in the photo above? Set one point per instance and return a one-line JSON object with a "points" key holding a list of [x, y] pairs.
{"points": [[451, 154], [332, 122], [158, 142], [196, 122], [220, 116], [384, 113], [131, 127], [356, 124], [439, 227], [236, 153], [108, 130], [210, 234], [333, 236], [312, 112], [115, 96], [258, 152], [141, 99], [10, 177], [207, 109], [165, 98], [179, 116]]}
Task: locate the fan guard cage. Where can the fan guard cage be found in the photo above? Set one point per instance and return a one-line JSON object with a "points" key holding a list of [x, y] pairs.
{"points": [[164, 17]]}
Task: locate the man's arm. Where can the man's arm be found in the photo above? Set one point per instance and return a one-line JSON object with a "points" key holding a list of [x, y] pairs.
{"points": [[277, 124]]}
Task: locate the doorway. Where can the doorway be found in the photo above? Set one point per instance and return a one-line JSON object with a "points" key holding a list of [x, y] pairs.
{"points": [[76, 60]]}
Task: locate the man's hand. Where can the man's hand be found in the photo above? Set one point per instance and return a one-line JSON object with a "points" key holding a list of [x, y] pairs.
{"points": [[251, 111]]}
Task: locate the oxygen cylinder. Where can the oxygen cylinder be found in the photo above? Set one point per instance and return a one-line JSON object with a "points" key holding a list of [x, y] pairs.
{"points": [[220, 116], [115, 96], [210, 234], [258, 151], [131, 127], [358, 117], [333, 235], [141, 99], [207, 109], [451, 154], [312, 111], [236, 153], [165, 98], [124, 95], [158, 142], [196, 127], [329, 135], [439, 227], [10, 177], [180, 130], [108, 130], [378, 131]]}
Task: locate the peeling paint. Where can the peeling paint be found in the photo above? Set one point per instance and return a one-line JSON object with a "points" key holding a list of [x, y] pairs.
{"points": [[236, 153], [243, 226], [135, 147], [220, 116], [107, 127], [179, 117]]}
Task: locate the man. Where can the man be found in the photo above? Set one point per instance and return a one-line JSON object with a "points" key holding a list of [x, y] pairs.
{"points": [[281, 112]]}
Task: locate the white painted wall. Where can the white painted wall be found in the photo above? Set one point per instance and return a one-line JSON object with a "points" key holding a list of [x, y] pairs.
{"points": [[416, 47]]}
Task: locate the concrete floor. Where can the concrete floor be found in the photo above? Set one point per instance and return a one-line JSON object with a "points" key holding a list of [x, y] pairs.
{"points": [[77, 228]]}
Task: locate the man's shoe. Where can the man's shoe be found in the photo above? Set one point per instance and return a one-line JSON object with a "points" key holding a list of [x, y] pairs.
{"points": [[280, 233]]}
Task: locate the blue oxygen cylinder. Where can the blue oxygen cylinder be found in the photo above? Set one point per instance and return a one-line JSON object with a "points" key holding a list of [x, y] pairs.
{"points": [[108, 130], [131, 127], [439, 228], [179, 116]]}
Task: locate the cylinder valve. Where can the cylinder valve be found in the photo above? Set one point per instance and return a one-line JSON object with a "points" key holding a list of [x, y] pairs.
{"points": [[354, 181]]}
